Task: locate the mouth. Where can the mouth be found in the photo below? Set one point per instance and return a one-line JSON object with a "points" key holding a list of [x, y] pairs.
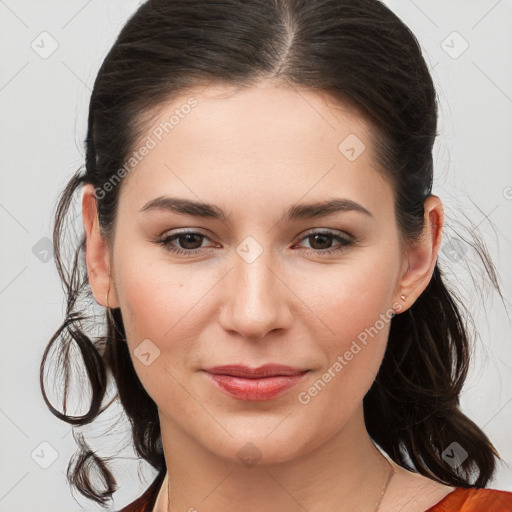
{"points": [[267, 370], [255, 384]]}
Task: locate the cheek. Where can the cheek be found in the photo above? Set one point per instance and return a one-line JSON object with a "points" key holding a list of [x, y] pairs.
{"points": [[167, 304], [158, 308], [154, 293], [354, 306], [353, 349], [351, 297]]}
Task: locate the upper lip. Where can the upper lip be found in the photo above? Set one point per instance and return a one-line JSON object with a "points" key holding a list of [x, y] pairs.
{"points": [[267, 370]]}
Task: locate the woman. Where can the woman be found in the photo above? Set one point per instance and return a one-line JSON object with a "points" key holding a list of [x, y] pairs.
{"points": [[259, 223]]}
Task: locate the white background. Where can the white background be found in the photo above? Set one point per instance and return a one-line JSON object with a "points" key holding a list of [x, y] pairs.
{"points": [[43, 114]]}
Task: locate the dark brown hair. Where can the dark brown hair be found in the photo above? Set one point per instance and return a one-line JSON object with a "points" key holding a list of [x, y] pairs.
{"points": [[359, 53]]}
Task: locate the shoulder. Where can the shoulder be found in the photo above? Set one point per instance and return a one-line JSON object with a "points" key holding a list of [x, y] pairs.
{"points": [[474, 500], [146, 501]]}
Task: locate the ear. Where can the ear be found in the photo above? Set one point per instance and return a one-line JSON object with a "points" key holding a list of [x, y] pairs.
{"points": [[97, 252], [422, 255]]}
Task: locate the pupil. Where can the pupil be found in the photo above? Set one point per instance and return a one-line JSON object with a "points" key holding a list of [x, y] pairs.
{"points": [[189, 240], [321, 237]]}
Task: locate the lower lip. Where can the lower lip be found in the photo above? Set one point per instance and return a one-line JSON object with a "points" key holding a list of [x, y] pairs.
{"points": [[255, 390]]}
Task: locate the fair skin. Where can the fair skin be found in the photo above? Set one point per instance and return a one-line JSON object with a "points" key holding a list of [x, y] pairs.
{"points": [[254, 153]]}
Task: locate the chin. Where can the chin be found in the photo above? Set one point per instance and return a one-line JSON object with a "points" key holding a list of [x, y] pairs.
{"points": [[268, 445]]}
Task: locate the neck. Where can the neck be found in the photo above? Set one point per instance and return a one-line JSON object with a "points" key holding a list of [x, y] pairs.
{"points": [[344, 473]]}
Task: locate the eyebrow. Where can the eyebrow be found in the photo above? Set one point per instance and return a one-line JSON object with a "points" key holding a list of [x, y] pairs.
{"points": [[299, 211]]}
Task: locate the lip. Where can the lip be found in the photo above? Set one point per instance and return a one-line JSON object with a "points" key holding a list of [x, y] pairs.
{"points": [[255, 384], [267, 370]]}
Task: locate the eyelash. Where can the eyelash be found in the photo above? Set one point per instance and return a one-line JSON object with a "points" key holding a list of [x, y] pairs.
{"points": [[344, 242]]}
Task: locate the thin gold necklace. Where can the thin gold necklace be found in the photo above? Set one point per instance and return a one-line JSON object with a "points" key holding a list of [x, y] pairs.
{"points": [[386, 485], [381, 496]]}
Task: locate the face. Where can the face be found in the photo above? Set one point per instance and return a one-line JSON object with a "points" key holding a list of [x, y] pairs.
{"points": [[262, 275]]}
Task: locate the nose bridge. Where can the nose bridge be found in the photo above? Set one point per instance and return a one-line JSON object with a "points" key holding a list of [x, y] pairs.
{"points": [[257, 300]]}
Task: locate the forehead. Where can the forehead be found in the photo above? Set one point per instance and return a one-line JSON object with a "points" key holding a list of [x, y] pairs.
{"points": [[265, 141], [267, 111]]}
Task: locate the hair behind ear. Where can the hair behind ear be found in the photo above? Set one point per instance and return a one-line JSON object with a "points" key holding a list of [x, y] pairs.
{"points": [[413, 404]]}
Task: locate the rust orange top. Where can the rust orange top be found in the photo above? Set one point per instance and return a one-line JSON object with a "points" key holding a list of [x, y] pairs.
{"points": [[459, 500], [474, 500]]}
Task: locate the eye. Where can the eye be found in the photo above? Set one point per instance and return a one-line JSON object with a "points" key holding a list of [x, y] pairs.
{"points": [[190, 242], [321, 241]]}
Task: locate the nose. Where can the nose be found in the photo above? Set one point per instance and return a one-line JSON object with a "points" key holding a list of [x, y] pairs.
{"points": [[257, 299]]}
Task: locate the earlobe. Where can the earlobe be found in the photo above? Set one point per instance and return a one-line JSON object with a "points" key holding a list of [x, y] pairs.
{"points": [[422, 255], [96, 252]]}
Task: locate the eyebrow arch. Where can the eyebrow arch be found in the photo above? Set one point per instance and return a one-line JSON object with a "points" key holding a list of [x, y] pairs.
{"points": [[299, 211]]}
